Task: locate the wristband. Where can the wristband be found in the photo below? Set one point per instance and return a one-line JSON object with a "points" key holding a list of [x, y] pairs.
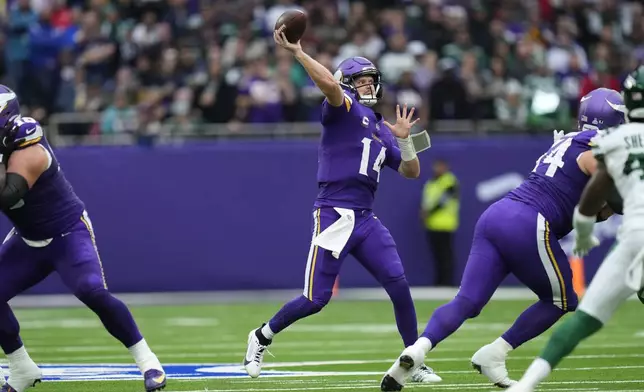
{"points": [[407, 151]]}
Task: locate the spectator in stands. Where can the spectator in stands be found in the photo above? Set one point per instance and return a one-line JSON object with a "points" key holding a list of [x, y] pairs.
{"points": [[66, 94], [511, 108], [97, 53], [396, 59], [570, 82], [21, 19], [472, 80], [495, 87], [426, 70], [120, 117], [259, 98], [216, 99], [79, 47], [598, 77], [448, 96]]}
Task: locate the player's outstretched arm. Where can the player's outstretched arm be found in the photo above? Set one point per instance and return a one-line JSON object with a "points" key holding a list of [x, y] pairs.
{"points": [[409, 166], [24, 169], [321, 76], [596, 191]]}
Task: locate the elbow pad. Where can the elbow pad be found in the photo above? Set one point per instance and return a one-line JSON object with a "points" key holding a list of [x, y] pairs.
{"points": [[15, 188]]}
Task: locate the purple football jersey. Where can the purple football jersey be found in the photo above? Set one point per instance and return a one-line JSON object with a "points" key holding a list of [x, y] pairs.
{"points": [[554, 187], [354, 147], [50, 207]]}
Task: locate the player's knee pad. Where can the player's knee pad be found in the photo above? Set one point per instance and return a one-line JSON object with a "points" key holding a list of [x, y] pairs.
{"points": [[471, 308], [316, 304], [86, 284], [92, 295]]}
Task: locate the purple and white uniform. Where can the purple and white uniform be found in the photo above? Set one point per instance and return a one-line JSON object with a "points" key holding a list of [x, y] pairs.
{"points": [[52, 231], [520, 233], [355, 147]]}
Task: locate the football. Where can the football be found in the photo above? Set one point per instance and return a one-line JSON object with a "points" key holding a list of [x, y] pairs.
{"points": [[295, 22]]}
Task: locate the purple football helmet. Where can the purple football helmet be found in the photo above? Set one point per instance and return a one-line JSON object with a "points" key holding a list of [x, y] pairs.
{"points": [[9, 106], [600, 109], [354, 67]]}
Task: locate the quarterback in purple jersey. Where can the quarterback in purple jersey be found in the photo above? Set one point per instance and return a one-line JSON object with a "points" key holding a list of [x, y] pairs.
{"points": [[52, 232], [356, 143], [520, 235]]}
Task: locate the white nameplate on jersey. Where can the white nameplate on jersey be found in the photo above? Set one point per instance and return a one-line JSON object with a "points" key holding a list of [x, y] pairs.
{"points": [[421, 141], [365, 122]]}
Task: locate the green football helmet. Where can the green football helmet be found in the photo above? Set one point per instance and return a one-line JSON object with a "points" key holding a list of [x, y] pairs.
{"points": [[633, 94]]}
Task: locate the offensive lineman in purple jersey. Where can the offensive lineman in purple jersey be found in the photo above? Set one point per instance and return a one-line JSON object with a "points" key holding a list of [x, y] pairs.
{"points": [[356, 143], [540, 208], [52, 232]]}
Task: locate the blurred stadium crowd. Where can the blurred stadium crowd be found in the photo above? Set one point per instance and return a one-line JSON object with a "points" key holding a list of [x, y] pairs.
{"points": [[145, 63]]}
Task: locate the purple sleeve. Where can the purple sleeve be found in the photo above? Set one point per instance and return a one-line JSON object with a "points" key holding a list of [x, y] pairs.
{"points": [[584, 138], [393, 157], [332, 113], [29, 132]]}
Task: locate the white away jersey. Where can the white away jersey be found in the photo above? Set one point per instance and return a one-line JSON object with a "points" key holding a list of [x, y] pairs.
{"points": [[622, 151]]}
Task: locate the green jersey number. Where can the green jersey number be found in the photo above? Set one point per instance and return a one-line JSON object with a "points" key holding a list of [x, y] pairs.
{"points": [[634, 163]]}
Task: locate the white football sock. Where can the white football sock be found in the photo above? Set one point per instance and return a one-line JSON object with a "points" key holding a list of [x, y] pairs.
{"points": [[144, 357], [537, 372], [19, 358], [503, 346], [424, 343], [267, 332]]}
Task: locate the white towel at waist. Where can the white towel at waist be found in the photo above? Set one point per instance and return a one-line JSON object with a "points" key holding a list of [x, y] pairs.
{"points": [[335, 237]]}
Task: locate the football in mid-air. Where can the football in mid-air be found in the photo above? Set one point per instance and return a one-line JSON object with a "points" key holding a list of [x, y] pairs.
{"points": [[295, 24]]}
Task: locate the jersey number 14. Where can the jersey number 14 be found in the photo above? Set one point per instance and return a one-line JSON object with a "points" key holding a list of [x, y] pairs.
{"points": [[554, 157], [366, 153]]}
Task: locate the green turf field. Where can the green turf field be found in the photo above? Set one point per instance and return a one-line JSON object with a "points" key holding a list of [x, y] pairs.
{"points": [[346, 347]]}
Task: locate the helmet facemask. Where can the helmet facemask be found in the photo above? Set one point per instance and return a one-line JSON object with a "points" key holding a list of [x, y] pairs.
{"points": [[375, 88]]}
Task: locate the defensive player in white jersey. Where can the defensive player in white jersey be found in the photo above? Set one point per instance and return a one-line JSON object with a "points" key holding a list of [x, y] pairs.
{"points": [[620, 156]]}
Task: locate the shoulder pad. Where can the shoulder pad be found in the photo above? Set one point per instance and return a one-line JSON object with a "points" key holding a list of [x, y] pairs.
{"points": [[29, 132], [586, 136]]}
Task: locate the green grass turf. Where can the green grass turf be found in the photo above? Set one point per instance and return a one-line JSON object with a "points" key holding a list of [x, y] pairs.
{"points": [[363, 332]]}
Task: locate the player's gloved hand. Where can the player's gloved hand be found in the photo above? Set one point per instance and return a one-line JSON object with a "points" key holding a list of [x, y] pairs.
{"points": [[556, 135], [584, 238]]}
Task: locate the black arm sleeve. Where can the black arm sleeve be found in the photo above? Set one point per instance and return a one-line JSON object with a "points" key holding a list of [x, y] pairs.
{"points": [[15, 188], [615, 201]]}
